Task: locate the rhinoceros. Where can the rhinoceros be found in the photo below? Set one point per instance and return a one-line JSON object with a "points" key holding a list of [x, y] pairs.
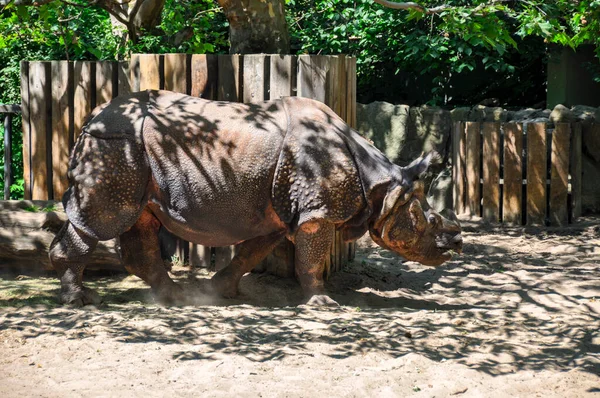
{"points": [[218, 173]]}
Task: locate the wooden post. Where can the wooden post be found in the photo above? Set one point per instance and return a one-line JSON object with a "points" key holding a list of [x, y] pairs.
{"points": [[491, 172], [576, 169], [204, 76], [473, 152], [39, 87], [105, 85], [255, 78], [124, 78], [559, 175], [61, 119], [149, 71], [280, 76], [459, 152], [26, 129], [7, 155], [229, 86], [513, 173], [536, 173], [176, 73], [82, 106]]}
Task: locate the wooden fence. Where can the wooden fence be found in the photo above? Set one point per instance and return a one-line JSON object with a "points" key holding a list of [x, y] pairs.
{"points": [[58, 95], [524, 174]]}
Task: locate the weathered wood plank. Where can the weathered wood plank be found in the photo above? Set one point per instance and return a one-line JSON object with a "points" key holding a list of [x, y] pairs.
{"points": [[61, 116], [204, 76], [256, 78], [13, 108], [341, 89], [312, 76], [223, 256], [491, 172], [576, 169], [176, 72], [459, 157], [559, 174], [82, 106], [536, 173], [281, 76], [513, 174], [26, 129], [149, 71], [124, 78], [200, 256], [105, 84], [331, 84], [8, 177], [473, 152], [39, 97], [229, 84]]}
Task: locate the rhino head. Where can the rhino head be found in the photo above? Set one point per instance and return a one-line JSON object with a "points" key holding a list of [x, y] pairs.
{"points": [[409, 226]]}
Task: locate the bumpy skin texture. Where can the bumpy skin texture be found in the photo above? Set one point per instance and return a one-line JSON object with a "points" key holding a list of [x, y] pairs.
{"points": [[218, 173]]}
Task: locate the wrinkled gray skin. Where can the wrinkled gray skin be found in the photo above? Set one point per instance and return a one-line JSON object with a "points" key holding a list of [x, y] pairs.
{"points": [[219, 173]]}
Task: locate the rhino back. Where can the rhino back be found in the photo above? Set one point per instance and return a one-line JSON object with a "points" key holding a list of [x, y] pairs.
{"points": [[212, 165]]}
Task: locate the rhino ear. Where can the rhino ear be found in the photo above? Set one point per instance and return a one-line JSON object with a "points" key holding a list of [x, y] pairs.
{"points": [[420, 165]]}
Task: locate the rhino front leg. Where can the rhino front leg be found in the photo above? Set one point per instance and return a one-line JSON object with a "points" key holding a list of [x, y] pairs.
{"points": [[69, 252], [313, 243], [249, 254], [140, 250]]}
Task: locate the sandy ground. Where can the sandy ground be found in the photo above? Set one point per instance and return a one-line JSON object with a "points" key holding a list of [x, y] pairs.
{"points": [[518, 314]]}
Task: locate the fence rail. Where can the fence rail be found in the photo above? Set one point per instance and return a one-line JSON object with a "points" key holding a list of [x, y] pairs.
{"points": [[57, 96], [518, 173], [7, 112]]}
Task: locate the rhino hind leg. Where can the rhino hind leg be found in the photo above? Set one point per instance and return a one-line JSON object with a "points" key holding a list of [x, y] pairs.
{"points": [[313, 243], [140, 250], [68, 253], [249, 253]]}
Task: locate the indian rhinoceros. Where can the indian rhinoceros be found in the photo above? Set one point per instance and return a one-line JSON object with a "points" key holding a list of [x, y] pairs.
{"points": [[219, 173]]}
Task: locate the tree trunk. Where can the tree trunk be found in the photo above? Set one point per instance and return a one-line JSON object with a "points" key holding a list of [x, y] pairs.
{"points": [[257, 26]]}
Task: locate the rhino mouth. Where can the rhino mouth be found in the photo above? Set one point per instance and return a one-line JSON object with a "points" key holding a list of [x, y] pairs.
{"points": [[446, 243]]}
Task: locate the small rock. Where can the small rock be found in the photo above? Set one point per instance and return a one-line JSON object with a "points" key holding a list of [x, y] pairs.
{"points": [[562, 114]]}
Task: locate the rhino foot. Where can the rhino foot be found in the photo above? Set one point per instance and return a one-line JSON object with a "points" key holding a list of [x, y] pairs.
{"points": [[80, 297], [224, 284], [322, 300]]}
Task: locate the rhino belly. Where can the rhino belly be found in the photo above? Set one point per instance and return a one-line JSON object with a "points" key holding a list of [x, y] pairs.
{"points": [[213, 188]]}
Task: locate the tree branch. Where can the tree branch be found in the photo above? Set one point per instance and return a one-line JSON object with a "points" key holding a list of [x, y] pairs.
{"points": [[440, 8]]}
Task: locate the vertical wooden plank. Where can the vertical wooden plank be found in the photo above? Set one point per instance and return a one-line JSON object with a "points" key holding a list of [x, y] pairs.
{"points": [[229, 85], [331, 84], [60, 120], [26, 129], [559, 174], [204, 76], [491, 172], [104, 82], [39, 101], [312, 76], [576, 168], [82, 105], [458, 170], [513, 174], [536, 173], [473, 151], [124, 78], [8, 178], [281, 76], [199, 256], [256, 79], [350, 86], [134, 72], [176, 72], [149, 71], [223, 256]]}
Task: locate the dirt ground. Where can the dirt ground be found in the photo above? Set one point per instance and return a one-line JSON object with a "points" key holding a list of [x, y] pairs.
{"points": [[518, 314]]}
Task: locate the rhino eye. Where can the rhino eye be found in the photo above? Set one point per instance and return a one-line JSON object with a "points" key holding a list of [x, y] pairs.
{"points": [[432, 220]]}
